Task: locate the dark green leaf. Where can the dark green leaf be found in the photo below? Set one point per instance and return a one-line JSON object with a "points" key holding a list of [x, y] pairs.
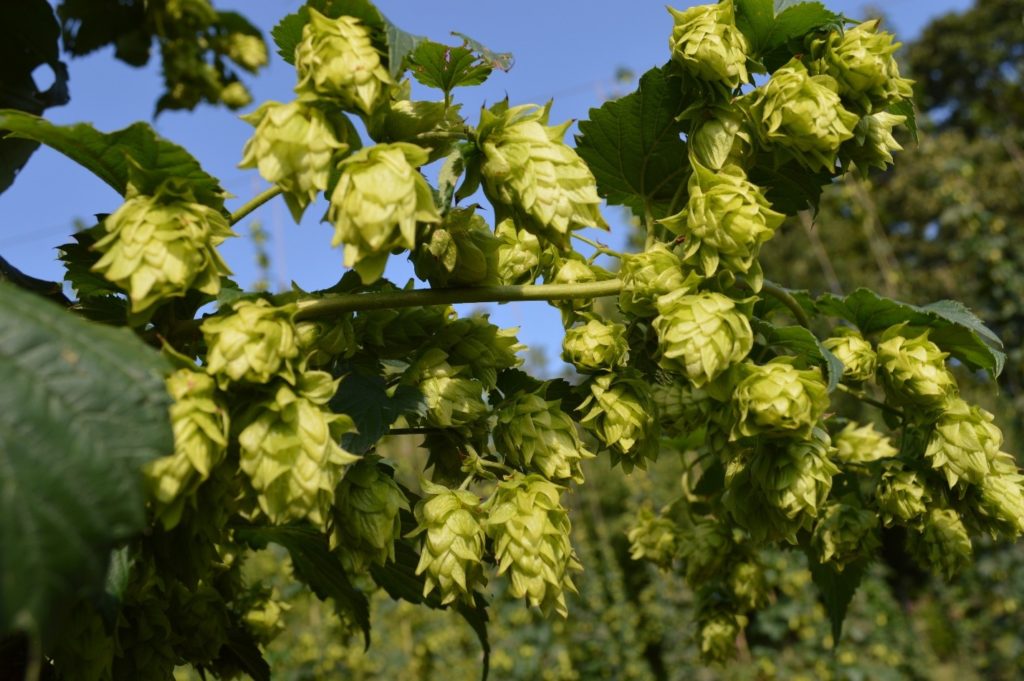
{"points": [[447, 68], [797, 340], [82, 408], [316, 566], [288, 32], [364, 397], [89, 25], [241, 650], [633, 145], [755, 18], [791, 26], [790, 188], [400, 46], [836, 589], [477, 619], [905, 107], [117, 157]]}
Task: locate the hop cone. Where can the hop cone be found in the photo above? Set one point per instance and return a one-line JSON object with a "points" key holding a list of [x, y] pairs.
{"points": [[913, 372], [595, 346], [202, 616], [246, 50], [337, 60], [376, 204], [707, 45], [528, 168], [796, 477], [453, 542], [682, 408], [530, 530], [1002, 499], [778, 399], [862, 444], [254, 343], [200, 425], [962, 443], [574, 270], [873, 142], [649, 275], [757, 512], [856, 354], [321, 341], [396, 334], [654, 538], [725, 221], [158, 247], [452, 398], [292, 146], [719, 626], [749, 585], [721, 138], [861, 61], [701, 335], [518, 254], [462, 251], [704, 547], [943, 542], [366, 516], [536, 434], [289, 449], [844, 534], [476, 343], [623, 416], [901, 494], [802, 114]]}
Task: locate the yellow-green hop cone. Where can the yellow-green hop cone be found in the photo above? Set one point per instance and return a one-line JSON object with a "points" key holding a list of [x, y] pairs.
{"points": [[462, 251], [289, 450], [159, 247], [718, 628], [336, 59], [654, 538], [862, 444], [528, 168], [266, 619], [530, 530], [778, 399], [725, 221], [964, 440], [873, 142], [682, 409], [322, 340], [701, 335], [365, 518], [721, 138], [707, 45], [536, 434], [704, 548], [856, 354], [451, 395], [913, 372], [649, 275], [453, 542], [750, 507], [796, 477], [749, 585], [376, 204], [253, 344], [623, 416], [247, 50], [802, 115], [479, 345], [200, 424], [292, 146], [844, 534], [1002, 499], [575, 270], [861, 61], [943, 542], [519, 254], [235, 95], [901, 495], [595, 346]]}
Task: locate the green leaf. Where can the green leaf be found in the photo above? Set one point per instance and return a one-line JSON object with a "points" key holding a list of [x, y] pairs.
{"points": [[89, 25], [446, 68], [364, 397], [791, 26], [497, 60], [952, 326], [905, 107], [836, 588], [755, 19], [314, 565], [797, 340], [117, 157], [790, 188], [242, 652], [633, 145], [82, 408]]}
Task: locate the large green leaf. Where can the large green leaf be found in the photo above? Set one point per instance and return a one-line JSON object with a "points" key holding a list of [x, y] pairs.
{"points": [[364, 397], [776, 30], [82, 408], [134, 156], [836, 588], [951, 325], [633, 145], [446, 68]]}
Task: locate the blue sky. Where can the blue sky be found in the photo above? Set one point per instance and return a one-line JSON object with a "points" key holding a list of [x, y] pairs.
{"points": [[567, 50]]}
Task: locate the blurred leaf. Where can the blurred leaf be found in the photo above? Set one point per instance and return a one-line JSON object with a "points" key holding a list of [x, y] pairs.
{"points": [[497, 60], [836, 589]]}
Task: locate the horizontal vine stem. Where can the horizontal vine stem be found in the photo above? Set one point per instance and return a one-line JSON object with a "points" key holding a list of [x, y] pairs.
{"points": [[254, 203], [353, 302], [789, 301]]}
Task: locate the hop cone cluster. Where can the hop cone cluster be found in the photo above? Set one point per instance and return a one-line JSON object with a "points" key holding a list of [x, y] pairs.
{"points": [[778, 399], [913, 372], [701, 335], [536, 434], [530, 530], [623, 416], [158, 247], [856, 354], [648, 275], [706, 44], [366, 519], [453, 542], [254, 343], [595, 346], [376, 204]]}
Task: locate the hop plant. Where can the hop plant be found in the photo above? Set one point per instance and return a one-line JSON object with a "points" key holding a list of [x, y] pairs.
{"points": [[648, 275], [321, 341], [654, 538], [873, 142], [376, 204], [845, 533], [701, 335], [901, 494], [289, 449], [721, 137], [479, 345], [200, 424], [913, 371], [519, 254], [530, 530], [462, 251], [778, 399], [856, 354], [336, 59], [802, 115], [528, 168], [253, 344], [453, 542], [536, 434], [452, 397], [159, 247], [365, 518], [624, 417], [861, 61], [681, 408], [748, 584], [862, 444], [725, 221], [595, 346], [707, 45], [942, 542], [718, 628], [293, 146], [704, 548], [963, 442]]}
